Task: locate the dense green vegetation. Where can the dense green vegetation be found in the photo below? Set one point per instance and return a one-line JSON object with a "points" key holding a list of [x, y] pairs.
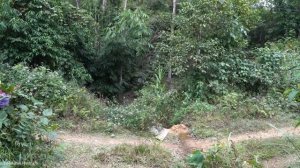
{"points": [[136, 64], [246, 154]]}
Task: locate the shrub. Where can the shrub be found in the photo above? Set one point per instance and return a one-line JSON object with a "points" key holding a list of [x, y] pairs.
{"points": [[26, 134], [65, 98], [237, 105], [79, 102], [150, 109], [155, 106], [221, 155], [50, 33]]}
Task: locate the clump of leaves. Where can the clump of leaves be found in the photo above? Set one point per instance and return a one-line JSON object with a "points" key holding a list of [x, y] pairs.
{"points": [[294, 94], [54, 34], [66, 98], [221, 155], [26, 134], [196, 159]]}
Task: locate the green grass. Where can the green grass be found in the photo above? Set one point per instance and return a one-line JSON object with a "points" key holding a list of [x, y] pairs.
{"points": [[141, 155], [220, 125], [270, 148], [253, 153], [90, 126]]}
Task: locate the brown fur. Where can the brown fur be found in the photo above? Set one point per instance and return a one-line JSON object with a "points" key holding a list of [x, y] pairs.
{"points": [[181, 131]]}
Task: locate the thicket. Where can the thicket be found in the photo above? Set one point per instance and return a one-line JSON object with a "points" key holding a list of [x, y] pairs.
{"points": [[26, 131], [235, 57], [208, 46], [39, 98]]}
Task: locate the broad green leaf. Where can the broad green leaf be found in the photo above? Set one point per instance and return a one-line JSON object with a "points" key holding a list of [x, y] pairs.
{"points": [[45, 121], [196, 159], [23, 108], [47, 112], [293, 94], [36, 102], [4, 164], [3, 117]]}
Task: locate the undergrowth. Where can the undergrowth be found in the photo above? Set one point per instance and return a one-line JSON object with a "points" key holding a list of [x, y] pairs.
{"points": [[145, 155]]}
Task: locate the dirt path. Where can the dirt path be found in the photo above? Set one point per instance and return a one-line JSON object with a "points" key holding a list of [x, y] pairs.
{"points": [[205, 144], [81, 148], [186, 145]]}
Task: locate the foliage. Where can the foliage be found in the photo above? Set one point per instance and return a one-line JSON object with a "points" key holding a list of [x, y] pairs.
{"points": [[65, 98], [208, 59], [196, 159], [294, 94], [125, 42], [279, 19], [26, 132], [155, 105], [237, 105], [221, 155], [245, 154], [50, 33], [228, 156]]}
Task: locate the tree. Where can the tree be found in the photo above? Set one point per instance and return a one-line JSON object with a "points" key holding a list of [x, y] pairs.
{"points": [[280, 19], [169, 79], [205, 37], [54, 34], [124, 44]]}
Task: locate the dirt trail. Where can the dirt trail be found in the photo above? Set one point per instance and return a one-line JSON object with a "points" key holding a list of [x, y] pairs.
{"points": [[272, 133], [186, 145]]}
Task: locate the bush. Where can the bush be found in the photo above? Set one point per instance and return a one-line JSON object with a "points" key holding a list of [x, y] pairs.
{"points": [[50, 33], [148, 110], [65, 98], [221, 155], [26, 134], [79, 102], [237, 105], [155, 106]]}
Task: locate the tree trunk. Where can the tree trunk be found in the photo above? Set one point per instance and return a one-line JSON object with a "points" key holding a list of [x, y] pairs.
{"points": [[169, 78], [104, 3], [77, 3], [121, 76], [125, 4], [173, 15], [297, 32]]}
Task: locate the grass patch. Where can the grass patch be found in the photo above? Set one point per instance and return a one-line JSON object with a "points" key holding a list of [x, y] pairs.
{"points": [[91, 126], [252, 153], [270, 148], [145, 155], [220, 125]]}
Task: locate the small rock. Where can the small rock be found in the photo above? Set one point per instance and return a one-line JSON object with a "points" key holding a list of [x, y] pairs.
{"points": [[112, 135], [162, 135], [154, 130]]}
